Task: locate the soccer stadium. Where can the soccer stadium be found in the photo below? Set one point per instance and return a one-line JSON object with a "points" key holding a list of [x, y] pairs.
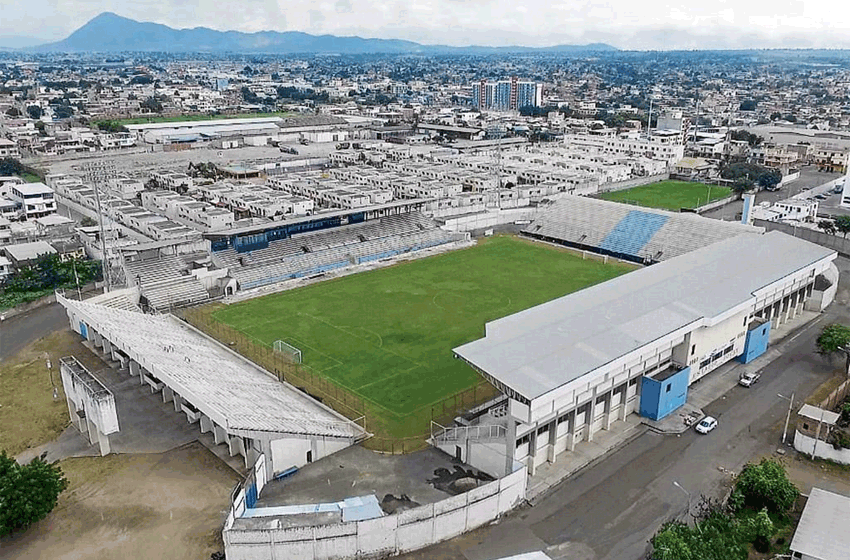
{"points": [[670, 195], [378, 329]]}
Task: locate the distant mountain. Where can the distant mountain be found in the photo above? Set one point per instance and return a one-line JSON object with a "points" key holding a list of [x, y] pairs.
{"points": [[109, 32]]}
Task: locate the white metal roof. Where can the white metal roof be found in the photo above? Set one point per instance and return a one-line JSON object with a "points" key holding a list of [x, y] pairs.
{"points": [[231, 390], [540, 349], [820, 415], [27, 251], [822, 532]]}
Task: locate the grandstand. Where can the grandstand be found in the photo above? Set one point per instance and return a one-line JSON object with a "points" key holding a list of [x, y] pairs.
{"points": [[611, 228], [164, 282], [316, 252], [244, 405]]}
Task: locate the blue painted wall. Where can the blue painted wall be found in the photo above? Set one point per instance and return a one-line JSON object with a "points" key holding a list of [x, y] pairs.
{"points": [[84, 330], [660, 398], [756, 344]]}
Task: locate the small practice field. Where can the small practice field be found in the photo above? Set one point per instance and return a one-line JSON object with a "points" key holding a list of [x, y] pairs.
{"points": [[387, 335], [194, 117], [670, 195]]}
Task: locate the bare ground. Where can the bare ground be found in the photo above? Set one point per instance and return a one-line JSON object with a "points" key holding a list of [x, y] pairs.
{"points": [[168, 505]]}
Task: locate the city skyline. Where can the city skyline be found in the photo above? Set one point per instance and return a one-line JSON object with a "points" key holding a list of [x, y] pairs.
{"points": [[481, 22]]}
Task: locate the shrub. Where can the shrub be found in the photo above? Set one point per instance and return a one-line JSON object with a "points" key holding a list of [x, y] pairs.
{"points": [[763, 486]]}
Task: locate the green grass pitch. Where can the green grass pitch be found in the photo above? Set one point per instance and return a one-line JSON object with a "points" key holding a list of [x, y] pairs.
{"points": [[670, 195], [387, 335]]}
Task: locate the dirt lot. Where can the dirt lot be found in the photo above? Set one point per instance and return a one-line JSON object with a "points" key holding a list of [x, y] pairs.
{"points": [[28, 414], [169, 505], [165, 505]]}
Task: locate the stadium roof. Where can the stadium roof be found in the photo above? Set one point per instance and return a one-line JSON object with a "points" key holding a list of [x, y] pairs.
{"points": [[231, 390], [822, 531], [542, 348]]}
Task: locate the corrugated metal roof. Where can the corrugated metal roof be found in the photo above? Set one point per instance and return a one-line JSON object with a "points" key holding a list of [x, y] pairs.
{"points": [[219, 383], [542, 348], [822, 532]]}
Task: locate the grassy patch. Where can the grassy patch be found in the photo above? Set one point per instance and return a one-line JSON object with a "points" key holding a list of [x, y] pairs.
{"points": [[28, 414], [387, 335], [31, 178], [825, 388], [192, 118], [670, 195]]}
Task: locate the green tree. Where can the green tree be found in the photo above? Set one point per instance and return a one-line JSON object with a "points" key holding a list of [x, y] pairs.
{"points": [[842, 224], [833, 339], [27, 492], [34, 112], [764, 485], [13, 112]]}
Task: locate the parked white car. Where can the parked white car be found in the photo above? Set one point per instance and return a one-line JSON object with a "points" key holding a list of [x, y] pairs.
{"points": [[706, 425], [748, 379]]}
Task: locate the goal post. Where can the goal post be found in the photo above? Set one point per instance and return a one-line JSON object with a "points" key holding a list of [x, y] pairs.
{"points": [[288, 351]]}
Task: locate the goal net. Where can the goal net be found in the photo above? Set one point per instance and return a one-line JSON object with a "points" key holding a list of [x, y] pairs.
{"points": [[289, 352]]}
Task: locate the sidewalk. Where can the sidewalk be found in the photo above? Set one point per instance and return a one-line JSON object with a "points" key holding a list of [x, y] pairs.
{"points": [[586, 454], [720, 381]]}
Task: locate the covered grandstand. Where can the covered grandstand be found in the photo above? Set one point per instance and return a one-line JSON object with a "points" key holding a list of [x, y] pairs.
{"points": [[580, 363], [643, 235], [244, 406], [316, 252]]}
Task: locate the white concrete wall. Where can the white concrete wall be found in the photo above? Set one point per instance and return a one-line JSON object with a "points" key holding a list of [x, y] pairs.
{"points": [[292, 452], [711, 339], [806, 444], [406, 531]]}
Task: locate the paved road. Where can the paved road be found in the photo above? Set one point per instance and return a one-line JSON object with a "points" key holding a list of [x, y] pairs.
{"points": [[17, 332], [810, 178], [609, 512]]}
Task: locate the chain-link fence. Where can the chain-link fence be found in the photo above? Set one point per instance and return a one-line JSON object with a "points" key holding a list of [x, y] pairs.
{"points": [[392, 433]]}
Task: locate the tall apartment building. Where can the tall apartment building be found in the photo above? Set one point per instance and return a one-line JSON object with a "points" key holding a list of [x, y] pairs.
{"points": [[506, 95]]}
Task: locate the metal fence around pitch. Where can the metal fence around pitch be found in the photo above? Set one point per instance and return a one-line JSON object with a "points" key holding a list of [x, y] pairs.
{"points": [[391, 433]]}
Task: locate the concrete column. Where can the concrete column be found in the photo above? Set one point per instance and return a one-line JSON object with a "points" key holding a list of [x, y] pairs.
{"points": [[553, 437], [97, 339], [83, 425], [571, 437], [167, 394], [608, 417], [103, 442], [219, 434], [532, 451], [177, 400], [236, 446], [624, 398], [107, 347], [135, 369], [72, 412], [92, 431], [510, 444], [591, 414], [206, 424]]}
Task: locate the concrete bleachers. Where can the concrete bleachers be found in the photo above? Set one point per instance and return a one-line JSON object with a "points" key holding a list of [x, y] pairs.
{"points": [[338, 248], [620, 230], [164, 283]]}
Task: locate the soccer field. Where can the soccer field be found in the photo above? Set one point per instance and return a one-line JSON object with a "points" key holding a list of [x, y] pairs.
{"points": [[670, 195], [387, 335]]}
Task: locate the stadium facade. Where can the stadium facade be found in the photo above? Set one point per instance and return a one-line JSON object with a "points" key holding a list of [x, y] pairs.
{"points": [[573, 366]]}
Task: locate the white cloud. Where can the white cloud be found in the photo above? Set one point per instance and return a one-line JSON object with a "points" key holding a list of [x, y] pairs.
{"points": [[623, 23]]}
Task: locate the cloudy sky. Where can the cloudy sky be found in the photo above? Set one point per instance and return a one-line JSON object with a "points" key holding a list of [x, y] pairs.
{"points": [[628, 24]]}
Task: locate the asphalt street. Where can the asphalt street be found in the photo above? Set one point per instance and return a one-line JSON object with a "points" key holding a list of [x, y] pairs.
{"points": [[18, 331], [609, 511]]}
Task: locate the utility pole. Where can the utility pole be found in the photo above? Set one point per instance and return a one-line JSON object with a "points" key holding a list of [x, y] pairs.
{"points": [[787, 416]]}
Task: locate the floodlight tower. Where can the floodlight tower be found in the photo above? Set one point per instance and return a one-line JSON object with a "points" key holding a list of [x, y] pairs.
{"points": [[96, 173]]}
